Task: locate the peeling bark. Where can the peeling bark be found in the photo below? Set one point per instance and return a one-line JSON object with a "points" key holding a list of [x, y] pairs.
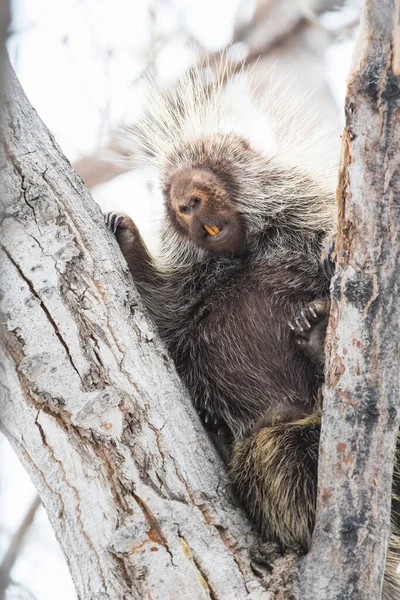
{"points": [[91, 403], [362, 391]]}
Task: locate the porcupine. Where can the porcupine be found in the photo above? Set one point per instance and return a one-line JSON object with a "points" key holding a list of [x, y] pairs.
{"points": [[239, 295]]}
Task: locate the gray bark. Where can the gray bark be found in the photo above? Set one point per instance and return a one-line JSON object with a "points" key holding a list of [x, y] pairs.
{"points": [[361, 399], [91, 403]]}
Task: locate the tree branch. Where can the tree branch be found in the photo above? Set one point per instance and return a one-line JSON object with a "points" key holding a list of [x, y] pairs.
{"points": [[137, 496], [361, 400]]}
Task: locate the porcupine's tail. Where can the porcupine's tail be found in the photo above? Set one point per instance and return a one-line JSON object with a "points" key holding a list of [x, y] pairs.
{"points": [[281, 498]]}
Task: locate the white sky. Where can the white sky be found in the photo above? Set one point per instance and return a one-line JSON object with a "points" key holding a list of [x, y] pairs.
{"points": [[84, 55]]}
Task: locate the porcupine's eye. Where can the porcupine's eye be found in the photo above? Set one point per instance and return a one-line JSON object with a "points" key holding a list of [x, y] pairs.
{"points": [[190, 206]]}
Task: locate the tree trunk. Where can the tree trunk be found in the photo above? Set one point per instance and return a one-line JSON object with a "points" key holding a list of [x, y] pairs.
{"points": [[361, 399], [137, 495], [5, 18]]}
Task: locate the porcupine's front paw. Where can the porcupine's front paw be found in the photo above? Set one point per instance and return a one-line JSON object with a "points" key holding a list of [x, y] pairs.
{"points": [[128, 238], [309, 329], [117, 221]]}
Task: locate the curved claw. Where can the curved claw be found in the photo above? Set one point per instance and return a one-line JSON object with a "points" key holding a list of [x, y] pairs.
{"points": [[312, 311], [305, 320], [117, 221], [108, 219], [328, 268], [113, 220], [328, 265]]}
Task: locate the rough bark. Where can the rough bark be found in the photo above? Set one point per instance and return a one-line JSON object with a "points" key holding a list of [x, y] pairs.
{"points": [[361, 399], [91, 403]]}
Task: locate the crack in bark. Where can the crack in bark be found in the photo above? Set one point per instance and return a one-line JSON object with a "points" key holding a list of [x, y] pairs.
{"points": [[17, 167], [23, 188], [44, 308], [158, 442], [77, 498], [96, 352], [28, 458], [155, 530], [201, 575], [219, 528]]}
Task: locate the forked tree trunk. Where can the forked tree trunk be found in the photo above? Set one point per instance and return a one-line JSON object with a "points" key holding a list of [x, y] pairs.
{"points": [[136, 494], [91, 403], [362, 391]]}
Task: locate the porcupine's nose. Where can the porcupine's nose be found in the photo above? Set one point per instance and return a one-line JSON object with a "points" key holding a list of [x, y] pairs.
{"points": [[191, 206]]}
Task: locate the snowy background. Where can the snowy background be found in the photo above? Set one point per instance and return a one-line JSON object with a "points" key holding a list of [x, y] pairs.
{"points": [[81, 63]]}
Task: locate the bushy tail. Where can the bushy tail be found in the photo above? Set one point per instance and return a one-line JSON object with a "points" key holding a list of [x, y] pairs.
{"points": [[391, 582], [275, 475], [274, 472]]}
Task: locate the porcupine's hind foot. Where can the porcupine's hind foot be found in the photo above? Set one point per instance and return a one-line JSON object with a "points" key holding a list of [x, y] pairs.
{"points": [[265, 553], [133, 247], [309, 329]]}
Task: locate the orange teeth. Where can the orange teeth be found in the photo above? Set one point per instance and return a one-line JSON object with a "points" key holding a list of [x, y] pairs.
{"points": [[212, 229]]}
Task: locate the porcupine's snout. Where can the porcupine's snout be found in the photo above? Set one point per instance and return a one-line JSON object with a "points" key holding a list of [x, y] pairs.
{"points": [[201, 207]]}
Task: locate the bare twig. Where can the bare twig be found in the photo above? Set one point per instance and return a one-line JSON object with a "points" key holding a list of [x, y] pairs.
{"points": [[15, 546], [273, 24]]}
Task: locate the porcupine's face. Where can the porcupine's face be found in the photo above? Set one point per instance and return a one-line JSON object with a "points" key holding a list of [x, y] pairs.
{"points": [[199, 205]]}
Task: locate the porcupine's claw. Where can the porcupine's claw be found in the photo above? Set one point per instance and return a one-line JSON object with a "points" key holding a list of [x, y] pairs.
{"points": [[328, 265], [309, 329], [113, 220], [116, 221]]}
